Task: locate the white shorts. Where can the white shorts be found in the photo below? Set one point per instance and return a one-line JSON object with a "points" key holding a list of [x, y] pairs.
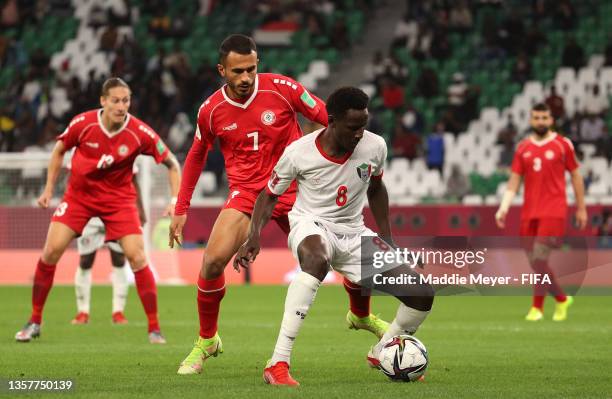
{"points": [[344, 250], [93, 237]]}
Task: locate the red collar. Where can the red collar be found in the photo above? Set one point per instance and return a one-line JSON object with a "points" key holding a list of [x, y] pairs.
{"points": [[339, 161]]}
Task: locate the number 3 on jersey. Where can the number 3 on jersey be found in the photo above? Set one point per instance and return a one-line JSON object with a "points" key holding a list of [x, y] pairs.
{"points": [[342, 196], [537, 164]]}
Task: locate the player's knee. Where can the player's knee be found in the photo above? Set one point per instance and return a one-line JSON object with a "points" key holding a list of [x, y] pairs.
{"points": [[52, 253], [314, 263], [214, 266], [117, 259], [137, 260], [86, 261]]}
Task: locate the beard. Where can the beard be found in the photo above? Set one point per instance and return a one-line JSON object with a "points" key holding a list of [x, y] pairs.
{"points": [[540, 131]]}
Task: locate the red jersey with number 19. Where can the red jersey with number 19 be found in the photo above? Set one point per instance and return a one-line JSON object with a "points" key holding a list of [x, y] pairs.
{"points": [[102, 164], [253, 134], [543, 165]]}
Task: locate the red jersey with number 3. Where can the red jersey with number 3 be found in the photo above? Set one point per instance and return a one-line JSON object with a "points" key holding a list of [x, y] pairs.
{"points": [[543, 164], [102, 164], [252, 134]]}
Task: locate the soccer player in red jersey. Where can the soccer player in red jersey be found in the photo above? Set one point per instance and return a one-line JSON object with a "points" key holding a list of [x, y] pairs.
{"points": [[107, 142], [254, 116], [542, 159]]}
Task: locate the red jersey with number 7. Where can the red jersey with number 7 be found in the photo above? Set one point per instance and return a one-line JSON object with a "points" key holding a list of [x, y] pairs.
{"points": [[253, 134], [543, 165], [102, 163]]}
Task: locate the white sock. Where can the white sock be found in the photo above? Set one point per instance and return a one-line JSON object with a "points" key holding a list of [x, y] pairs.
{"points": [[82, 286], [120, 288], [407, 321], [300, 295]]}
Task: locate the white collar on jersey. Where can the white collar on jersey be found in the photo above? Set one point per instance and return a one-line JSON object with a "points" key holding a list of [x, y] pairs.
{"points": [[106, 132], [540, 143], [248, 102]]}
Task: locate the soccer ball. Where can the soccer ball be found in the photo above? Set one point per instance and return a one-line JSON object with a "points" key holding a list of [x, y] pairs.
{"points": [[403, 358]]}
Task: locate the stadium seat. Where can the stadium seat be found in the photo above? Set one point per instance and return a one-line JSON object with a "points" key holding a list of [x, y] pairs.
{"points": [[587, 77], [472, 199], [491, 199], [564, 78], [605, 80], [319, 69]]}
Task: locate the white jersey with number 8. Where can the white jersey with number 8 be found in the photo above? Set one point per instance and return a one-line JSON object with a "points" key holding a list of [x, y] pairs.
{"points": [[331, 191]]}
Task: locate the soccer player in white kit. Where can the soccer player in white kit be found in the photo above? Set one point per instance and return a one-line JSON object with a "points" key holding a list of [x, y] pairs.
{"points": [[336, 169]]}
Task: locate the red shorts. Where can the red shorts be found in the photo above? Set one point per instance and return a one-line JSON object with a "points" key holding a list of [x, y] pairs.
{"points": [[545, 227], [244, 201], [547, 230], [118, 221]]}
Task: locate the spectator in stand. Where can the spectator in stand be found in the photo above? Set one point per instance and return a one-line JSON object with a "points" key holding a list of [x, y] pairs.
{"points": [[556, 105], [406, 142], [7, 130], [427, 83], [374, 69], [406, 30], [573, 55], [457, 184], [534, 39], [608, 53], [565, 17], [178, 136], [508, 133], [522, 69], [456, 95], [596, 104], [592, 129], [460, 18], [512, 32], [421, 45], [435, 148], [412, 120], [393, 69], [442, 48], [339, 36], [392, 94]]}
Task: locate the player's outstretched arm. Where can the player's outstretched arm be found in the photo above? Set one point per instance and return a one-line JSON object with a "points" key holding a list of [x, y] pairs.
{"points": [[261, 216], [378, 200], [174, 179], [578, 185], [55, 165], [514, 182]]}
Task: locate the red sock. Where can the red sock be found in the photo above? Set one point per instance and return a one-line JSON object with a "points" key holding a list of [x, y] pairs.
{"points": [[210, 294], [147, 291], [43, 281], [359, 303], [555, 289], [538, 301]]}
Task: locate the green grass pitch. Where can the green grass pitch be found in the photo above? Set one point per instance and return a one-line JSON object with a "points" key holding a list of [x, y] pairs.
{"points": [[478, 346]]}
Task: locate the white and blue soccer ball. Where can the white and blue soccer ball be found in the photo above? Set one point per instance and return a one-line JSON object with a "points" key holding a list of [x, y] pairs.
{"points": [[403, 358]]}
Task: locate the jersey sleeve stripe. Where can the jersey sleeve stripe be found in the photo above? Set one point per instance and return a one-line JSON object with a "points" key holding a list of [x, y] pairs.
{"points": [[280, 95]]}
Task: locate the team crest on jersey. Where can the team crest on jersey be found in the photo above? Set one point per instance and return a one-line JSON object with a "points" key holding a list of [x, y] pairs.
{"points": [[527, 154], [549, 154], [123, 150], [268, 117], [364, 171]]}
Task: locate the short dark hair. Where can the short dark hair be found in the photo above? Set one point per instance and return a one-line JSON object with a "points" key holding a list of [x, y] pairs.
{"points": [[345, 98], [237, 43], [111, 83], [541, 107]]}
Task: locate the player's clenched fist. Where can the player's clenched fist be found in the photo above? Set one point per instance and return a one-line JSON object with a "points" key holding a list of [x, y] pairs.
{"points": [[44, 199], [247, 253], [176, 229]]}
